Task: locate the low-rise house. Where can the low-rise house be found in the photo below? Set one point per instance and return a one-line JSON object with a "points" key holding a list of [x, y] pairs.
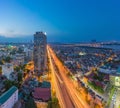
{"points": [[42, 94]]}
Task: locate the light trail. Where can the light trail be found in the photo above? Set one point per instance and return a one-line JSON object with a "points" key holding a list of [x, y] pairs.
{"points": [[73, 93], [55, 83], [61, 92]]}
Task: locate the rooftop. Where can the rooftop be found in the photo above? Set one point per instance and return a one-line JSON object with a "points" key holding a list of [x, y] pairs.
{"points": [[7, 64], [42, 93], [4, 97], [45, 84], [40, 32]]}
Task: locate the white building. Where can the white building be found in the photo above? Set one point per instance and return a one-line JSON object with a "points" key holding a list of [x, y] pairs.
{"points": [[115, 80], [7, 69], [9, 98], [28, 54], [18, 59]]}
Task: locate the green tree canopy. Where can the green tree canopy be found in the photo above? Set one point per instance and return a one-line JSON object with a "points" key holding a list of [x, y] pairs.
{"points": [[19, 76], [17, 68], [7, 59], [30, 104], [8, 84], [54, 103]]}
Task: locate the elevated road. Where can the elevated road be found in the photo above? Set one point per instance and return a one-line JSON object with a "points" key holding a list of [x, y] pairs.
{"points": [[67, 85], [60, 88], [78, 100]]}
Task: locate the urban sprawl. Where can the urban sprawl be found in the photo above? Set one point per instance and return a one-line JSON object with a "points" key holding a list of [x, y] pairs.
{"points": [[41, 75]]}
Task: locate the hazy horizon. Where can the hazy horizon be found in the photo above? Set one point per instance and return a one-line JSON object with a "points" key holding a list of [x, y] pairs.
{"points": [[65, 21], [25, 39]]}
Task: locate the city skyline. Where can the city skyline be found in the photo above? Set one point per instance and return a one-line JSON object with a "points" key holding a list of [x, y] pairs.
{"points": [[62, 20], [59, 54]]}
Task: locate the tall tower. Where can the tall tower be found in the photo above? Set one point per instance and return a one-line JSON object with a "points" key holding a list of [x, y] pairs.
{"points": [[40, 53]]}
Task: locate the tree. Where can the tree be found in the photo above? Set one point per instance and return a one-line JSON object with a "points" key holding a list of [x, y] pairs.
{"points": [[15, 84], [1, 62], [23, 67], [0, 69], [8, 84], [54, 103], [19, 76], [7, 59], [30, 104], [49, 104], [17, 68]]}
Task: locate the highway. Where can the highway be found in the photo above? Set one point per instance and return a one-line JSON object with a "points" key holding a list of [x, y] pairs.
{"points": [[60, 88], [68, 89]]}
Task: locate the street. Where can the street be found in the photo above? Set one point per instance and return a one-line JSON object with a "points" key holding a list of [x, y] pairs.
{"points": [[61, 92], [68, 84]]}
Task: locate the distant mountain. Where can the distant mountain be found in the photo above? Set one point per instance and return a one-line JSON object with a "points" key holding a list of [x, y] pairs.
{"points": [[16, 39]]}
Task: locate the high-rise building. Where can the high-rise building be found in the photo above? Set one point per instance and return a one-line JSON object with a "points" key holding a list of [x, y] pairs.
{"points": [[40, 53], [9, 98]]}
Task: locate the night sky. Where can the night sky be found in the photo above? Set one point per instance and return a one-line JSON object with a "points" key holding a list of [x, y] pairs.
{"points": [[63, 20]]}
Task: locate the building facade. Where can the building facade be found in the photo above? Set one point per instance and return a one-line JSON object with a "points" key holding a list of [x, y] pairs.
{"points": [[7, 69], [28, 54], [18, 59], [40, 53], [9, 98], [115, 80]]}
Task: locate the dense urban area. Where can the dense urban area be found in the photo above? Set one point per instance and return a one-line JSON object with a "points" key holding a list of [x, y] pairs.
{"points": [[41, 75], [59, 53]]}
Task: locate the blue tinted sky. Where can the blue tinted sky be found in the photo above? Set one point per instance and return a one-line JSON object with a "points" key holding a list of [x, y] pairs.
{"points": [[63, 20]]}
